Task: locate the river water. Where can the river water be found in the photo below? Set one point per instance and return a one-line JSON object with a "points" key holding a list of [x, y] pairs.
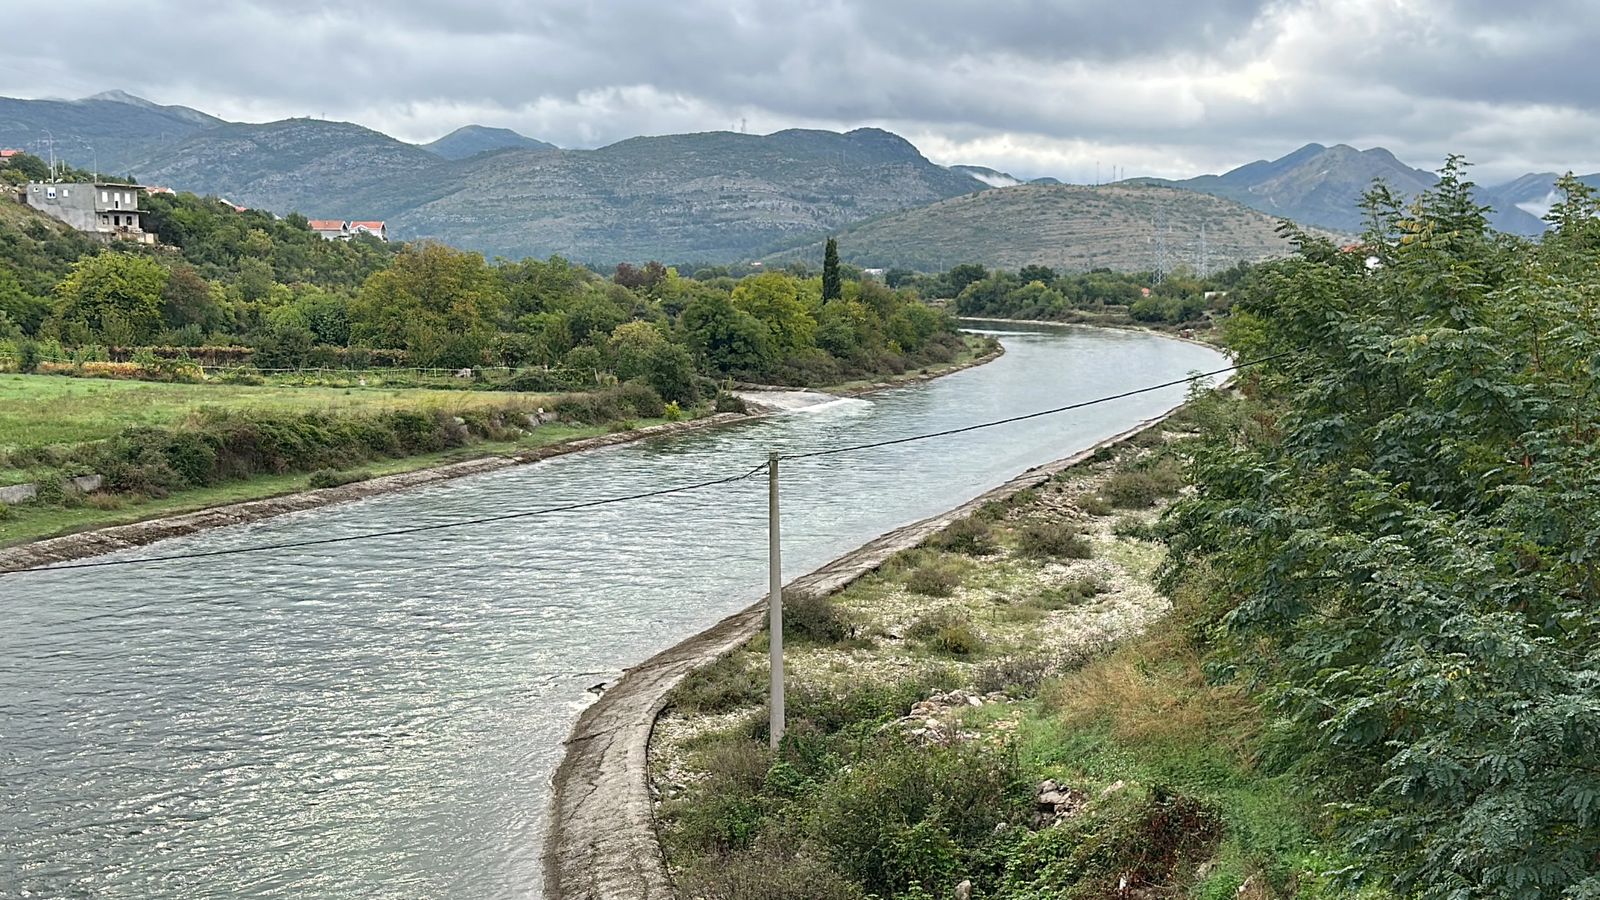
{"points": [[380, 719]]}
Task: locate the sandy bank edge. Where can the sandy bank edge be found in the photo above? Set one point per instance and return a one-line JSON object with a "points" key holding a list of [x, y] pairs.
{"points": [[601, 842]]}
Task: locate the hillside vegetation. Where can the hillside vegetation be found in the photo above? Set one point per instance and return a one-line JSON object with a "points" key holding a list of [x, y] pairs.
{"points": [[716, 196], [1066, 227]]}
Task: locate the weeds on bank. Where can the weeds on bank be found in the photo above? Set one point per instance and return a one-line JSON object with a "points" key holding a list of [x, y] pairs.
{"points": [[1170, 796]]}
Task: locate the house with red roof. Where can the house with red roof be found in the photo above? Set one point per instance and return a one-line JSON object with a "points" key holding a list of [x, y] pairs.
{"points": [[374, 227], [339, 230], [330, 229]]}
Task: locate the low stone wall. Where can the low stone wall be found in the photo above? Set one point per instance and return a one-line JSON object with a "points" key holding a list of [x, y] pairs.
{"points": [[27, 493], [602, 843]]}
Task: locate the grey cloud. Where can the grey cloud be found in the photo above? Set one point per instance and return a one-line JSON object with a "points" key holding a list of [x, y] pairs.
{"points": [[1172, 84]]}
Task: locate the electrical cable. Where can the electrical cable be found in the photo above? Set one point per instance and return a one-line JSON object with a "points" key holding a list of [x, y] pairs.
{"points": [[415, 529], [1033, 415]]}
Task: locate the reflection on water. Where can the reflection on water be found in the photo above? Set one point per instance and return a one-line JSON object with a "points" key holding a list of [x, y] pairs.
{"points": [[381, 718]]}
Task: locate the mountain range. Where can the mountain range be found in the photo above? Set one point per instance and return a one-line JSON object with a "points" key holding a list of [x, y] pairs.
{"points": [[716, 196], [470, 140], [1069, 227], [1320, 185]]}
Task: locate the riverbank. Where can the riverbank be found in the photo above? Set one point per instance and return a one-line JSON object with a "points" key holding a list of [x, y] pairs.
{"points": [[262, 498], [602, 841], [84, 544], [1200, 336], [1008, 710]]}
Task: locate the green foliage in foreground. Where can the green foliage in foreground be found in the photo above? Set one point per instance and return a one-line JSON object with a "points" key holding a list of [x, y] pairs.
{"points": [[1402, 527]]}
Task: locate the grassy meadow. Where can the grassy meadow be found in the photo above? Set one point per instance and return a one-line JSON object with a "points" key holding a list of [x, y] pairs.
{"points": [[37, 410]]}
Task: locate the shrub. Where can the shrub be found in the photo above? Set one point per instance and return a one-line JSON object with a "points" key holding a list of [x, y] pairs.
{"points": [[1024, 497], [815, 618], [946, 630], [729, 403], [1095, 505], [767, 871], [956, 640], [241, 375], [673, 412], [818, 710], [1019, 676], [1069, 594], [104, 501], [724, 811], [613, 404], [971, 536], [5, 512], [1053, 539], [52, 490], [727, 684], [903, 820], [28, 355], [329, 478], [1127, 842], [937, 578], [641, 399], [1139, 488], [1133, 527], [993, 511]]}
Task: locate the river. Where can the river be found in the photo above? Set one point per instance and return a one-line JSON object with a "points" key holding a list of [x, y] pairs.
{"points": [[380, 719]]}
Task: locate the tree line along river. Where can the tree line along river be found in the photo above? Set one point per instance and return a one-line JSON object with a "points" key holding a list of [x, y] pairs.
{"points": [[381, 718]]}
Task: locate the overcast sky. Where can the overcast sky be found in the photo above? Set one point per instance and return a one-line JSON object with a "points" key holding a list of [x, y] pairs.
{"points": [[1034, 87]]}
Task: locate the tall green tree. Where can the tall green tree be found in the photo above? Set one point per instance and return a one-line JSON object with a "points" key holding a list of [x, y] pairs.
{"points": [[112, 298], [832, 285], [441, 304]]}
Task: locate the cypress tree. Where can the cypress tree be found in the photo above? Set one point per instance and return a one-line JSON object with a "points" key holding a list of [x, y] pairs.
{"points": [[832, 287]]}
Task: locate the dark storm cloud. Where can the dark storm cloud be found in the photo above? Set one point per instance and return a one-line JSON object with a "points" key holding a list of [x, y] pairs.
{"points": [[1042, 87]]}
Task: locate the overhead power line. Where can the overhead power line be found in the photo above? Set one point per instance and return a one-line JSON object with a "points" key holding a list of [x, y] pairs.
{"points": [[415, 529], [589, 504], [1034, 415]]}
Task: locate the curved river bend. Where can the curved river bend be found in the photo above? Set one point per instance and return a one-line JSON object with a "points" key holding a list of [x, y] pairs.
{"points": [[381, 718]]}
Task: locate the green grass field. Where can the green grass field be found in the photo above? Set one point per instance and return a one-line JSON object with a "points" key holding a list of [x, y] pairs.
{"points": [[52, 409]]}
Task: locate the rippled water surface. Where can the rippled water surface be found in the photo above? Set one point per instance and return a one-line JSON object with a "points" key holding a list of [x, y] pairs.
{"points": [[381, 718]]}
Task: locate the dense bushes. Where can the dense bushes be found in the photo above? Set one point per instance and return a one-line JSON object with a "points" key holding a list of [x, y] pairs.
{"points": [[625, 401], [1141, 487], [218, 446], [1397, 528]]}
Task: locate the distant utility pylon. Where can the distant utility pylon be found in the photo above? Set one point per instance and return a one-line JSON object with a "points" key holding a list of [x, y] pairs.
{"points": [[1203, 263], [1163, 230]]}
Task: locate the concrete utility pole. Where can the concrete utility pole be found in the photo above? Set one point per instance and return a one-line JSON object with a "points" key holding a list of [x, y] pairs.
{"points": [[774, 603]]}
